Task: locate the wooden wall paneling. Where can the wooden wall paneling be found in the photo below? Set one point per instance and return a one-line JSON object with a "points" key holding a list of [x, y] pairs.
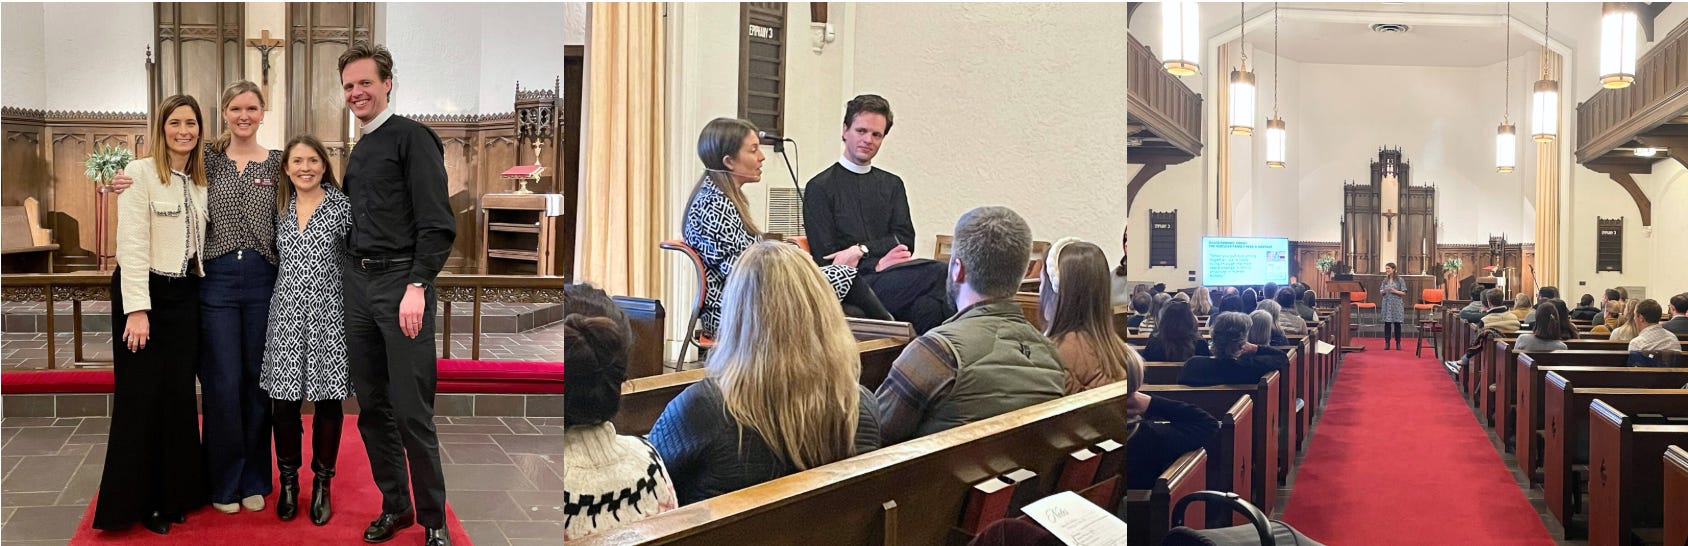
{"points": [[1306, 262], [26, 174], [44, 154], [574, 71]]}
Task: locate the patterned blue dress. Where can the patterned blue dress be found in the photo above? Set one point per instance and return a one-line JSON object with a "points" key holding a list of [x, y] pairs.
{"points": [[1393, 308], [305, 351], [715, 230]]}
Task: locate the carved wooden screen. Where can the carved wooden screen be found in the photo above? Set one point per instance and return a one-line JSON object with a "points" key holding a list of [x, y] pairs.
{"points": [[1163, 239], [1609, 250], [1362, 227], [1417, 230], [199, 48], [317, 33], [762, 39]]}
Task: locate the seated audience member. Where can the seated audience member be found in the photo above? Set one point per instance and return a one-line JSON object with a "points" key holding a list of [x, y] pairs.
{"points": [[1549, 333], [1522, 304], [1079, 319], [1235, 360], [1139, 310], [1159, 288], [1585, 309], [1307, 304], [1121, 290], [1263, 329], [1166, 430], [1650, 334], [1230, 303], [1608, 316], [1177, 339], [1567, 328], [1496, 314], [610, 476], [1250, 299], [1180, 296], [1543, 295], [782, 393], [1201, 303], [1678, 323], [985, 361], [1626, 329], [1473, 312], [1156, 303], [1289, 320]]}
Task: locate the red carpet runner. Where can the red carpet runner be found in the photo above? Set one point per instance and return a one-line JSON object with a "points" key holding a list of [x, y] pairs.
{"points": [[1398, 459], [356, 503]]}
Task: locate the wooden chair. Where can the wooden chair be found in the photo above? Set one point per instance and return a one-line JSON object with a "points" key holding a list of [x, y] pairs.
{"points": [[693, 336], [1429, 300]]}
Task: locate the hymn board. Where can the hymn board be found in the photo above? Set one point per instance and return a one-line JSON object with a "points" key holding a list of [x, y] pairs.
{"points": [[1389, 220]]}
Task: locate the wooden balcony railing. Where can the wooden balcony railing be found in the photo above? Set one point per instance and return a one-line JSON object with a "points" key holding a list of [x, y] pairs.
{"points": [[1160, 101], [96, 286], [1613, 117]]}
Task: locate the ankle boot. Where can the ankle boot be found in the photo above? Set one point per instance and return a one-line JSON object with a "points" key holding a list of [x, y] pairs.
{"points": [[321, 508], [289, 431], [287, 506], [325, 449]]}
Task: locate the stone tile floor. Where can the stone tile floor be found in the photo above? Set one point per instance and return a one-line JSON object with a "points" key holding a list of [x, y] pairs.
{"points": [[504, 476], [27, 351]]}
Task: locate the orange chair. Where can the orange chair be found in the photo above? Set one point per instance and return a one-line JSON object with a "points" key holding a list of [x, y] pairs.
{"points": [[802, 241], [693, 337], [1429, 300], [1358, 301]]}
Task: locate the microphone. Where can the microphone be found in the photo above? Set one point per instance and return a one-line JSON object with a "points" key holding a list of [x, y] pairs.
{"points": [[770, 138]]}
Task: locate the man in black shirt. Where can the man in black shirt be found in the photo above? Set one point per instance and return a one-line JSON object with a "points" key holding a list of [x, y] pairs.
{"points": [[858, 215], [402, 232]]}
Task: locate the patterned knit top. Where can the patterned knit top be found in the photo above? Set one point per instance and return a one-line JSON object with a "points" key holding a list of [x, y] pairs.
{"points": [[610, 480]]}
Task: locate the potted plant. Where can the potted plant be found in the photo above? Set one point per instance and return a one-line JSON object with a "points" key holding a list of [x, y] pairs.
{"points": [[1324, 263], [104, 162], [1450, 271]]}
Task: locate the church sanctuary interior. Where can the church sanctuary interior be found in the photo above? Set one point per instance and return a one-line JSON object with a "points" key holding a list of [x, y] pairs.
{"points": [[499, 85], [798, 326]]}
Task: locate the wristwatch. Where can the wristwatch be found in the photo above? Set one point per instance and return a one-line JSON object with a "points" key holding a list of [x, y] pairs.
{"points": [[862, 248], [418, 285]]}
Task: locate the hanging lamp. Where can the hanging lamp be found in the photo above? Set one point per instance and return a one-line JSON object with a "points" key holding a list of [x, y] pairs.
{"points": [[1506, 137], [1276, 136], [1544, 100], [1242, 85], [1618, 21], [1180, 37]]}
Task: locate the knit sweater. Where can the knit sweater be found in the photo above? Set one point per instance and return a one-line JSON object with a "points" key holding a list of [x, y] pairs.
{"points": [[610, 480]]}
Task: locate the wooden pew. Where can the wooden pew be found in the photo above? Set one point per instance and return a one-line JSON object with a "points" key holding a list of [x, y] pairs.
{"points": [[1495, 367], [1624, 495], [649, 320], [1676, 494], [909, 493], [1566, 410], [1148, 512], [1288, 419], [1532, 367], [1230, 465], [643, 399], [1264, 444]]}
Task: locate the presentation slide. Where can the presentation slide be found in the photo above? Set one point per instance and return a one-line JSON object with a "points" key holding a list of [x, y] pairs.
{"points": [[1241, 261]]}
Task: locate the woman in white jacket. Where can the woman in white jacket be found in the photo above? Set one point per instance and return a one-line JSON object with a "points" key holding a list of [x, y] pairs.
{"points": [[154, 470]]}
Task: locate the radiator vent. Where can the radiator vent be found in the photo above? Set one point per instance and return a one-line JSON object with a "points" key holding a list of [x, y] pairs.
{"points": [[785, 212], [1636, 292]]}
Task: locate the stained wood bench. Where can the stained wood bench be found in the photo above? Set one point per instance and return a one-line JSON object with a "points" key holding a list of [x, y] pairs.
{"points": [[908, 493], [1148, 512], [1263, 444], [1625, 496], [1591, 368], [1676, 494], [1566, 411]]}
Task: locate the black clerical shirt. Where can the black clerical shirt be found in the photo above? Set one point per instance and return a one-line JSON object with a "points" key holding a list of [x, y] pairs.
{"points": [[842, 208], [400, 207]]}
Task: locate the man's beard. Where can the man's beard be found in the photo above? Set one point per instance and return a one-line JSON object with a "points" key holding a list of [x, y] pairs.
{"points": [[953, 289]]}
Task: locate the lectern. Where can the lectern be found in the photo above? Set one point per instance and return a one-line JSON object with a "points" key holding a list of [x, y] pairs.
{"points": [[1344, 311]]}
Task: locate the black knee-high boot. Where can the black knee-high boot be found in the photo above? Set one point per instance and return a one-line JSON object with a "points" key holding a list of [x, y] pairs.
{"points": [[325, 449], [1388, 332], [288, 432], [861, 296], [1398, 328]]}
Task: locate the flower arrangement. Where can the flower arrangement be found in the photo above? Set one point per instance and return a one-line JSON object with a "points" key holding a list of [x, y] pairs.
{"points": [[1452, 264], [1324, 263], [104, 162]]}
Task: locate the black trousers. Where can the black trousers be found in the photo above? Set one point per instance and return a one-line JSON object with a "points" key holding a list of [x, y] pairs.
{"points": [[394, 377], [914, 293], [153, 461], [1392, 329]]}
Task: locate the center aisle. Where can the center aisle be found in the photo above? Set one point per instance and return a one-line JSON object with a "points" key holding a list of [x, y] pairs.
{"points": [[1398, 458]]}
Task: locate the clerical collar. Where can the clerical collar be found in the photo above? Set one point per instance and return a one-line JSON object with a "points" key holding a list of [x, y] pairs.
{"points": [[380, 119], [844, 160]]}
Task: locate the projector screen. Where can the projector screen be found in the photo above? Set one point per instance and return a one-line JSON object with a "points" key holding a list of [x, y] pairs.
{"points": [[1244, 261]]}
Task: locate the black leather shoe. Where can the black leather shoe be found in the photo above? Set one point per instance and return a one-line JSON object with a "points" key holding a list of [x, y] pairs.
{"points": [[436, 537], [384, 527], [287, 506], [321, 509], [156, 523]]}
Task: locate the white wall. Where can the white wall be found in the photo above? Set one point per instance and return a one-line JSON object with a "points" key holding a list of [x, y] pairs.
{"points": [[455, 58], [97, 51]]}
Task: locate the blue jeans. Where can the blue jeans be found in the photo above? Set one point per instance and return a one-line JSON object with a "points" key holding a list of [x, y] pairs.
{"points": [[235, 313]]}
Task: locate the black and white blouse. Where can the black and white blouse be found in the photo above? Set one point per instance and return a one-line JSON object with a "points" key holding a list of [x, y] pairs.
{"points": [[714, 228], [305, 351], [241, 204]]}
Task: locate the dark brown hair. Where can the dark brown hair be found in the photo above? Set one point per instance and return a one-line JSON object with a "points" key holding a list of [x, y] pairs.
{"points": [[284, 192], [195, 167], [596, 344], [1549, 324], [366, 50], [1177, 331], [1082, 306], [868, 103]]}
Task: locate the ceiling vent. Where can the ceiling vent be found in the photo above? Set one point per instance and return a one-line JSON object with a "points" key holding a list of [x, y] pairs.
{"points": [[1389, 28]]}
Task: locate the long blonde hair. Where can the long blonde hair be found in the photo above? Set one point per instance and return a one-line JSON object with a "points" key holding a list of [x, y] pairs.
{"points": [[720, 138], [1081, 306], [160, 145], [784, 357], [1524, 301], [236, 89]]}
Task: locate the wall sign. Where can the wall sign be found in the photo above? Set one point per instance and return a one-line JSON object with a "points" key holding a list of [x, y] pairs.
{"points": [[762, 65], [1609, 245], [1163, 239]]}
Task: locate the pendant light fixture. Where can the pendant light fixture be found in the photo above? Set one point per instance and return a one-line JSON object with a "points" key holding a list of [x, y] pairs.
{"points": [[1276, 138], [1180, 37], [1242, 85], [1506, 137], [1618, 22], [1544, 101]]}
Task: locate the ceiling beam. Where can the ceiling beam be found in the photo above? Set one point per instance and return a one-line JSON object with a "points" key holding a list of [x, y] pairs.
{"points": [[1142, 178], [1622, 171]]}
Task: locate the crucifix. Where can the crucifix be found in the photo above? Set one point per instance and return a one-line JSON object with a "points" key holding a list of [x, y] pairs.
{"points": [[265, 45], [1390, 217]]}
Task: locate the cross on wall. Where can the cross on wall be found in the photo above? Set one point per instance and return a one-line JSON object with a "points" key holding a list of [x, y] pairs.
{"points": [[265, 44]]}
